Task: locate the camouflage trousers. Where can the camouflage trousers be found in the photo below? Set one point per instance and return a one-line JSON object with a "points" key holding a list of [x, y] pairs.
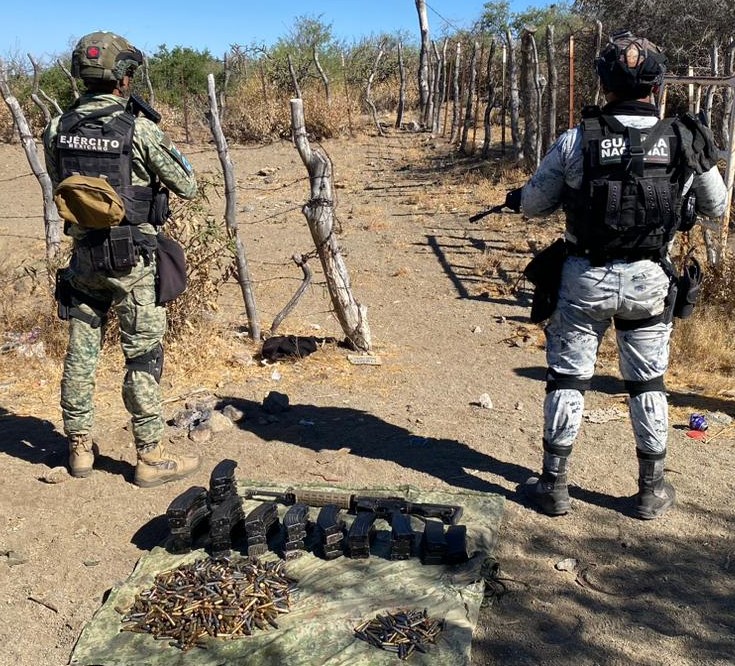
{"points": [[132, 296], [589, 297]]}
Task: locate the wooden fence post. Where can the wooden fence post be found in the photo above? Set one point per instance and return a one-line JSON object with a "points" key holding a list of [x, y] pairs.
{"points": [[243, 271], [318, 211]]}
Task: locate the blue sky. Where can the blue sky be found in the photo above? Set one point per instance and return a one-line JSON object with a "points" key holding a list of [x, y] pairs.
{"points": [[47, 28]]}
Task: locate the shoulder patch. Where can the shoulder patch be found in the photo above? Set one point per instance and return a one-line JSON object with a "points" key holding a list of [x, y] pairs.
{"points": [[178, 156]]}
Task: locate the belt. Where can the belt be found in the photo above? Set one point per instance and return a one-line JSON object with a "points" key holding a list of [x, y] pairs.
{"points": [[597, 258]]}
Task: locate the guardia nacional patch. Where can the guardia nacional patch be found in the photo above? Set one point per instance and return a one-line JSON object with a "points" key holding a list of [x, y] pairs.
{"points": [[613, 149]]}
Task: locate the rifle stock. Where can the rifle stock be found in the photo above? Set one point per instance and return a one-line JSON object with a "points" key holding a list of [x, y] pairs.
{"points": [[381, 505]]}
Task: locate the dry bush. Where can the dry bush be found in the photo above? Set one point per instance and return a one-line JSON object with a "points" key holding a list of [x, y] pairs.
{"points": [[209, 260], [704, 343]]}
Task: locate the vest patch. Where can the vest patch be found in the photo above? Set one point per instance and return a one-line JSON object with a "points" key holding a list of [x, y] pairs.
{"points": [[612, 149], [91, 143]]}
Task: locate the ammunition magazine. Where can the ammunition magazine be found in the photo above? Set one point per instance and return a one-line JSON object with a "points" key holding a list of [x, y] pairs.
{"points": [[225, 518], [222, 481], [456, 537], [185, 515], [361, 535], [401, 542], [433, 543]]}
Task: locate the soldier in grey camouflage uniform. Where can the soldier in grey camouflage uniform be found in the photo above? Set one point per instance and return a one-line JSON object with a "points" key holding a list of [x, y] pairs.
{"points": [[106, 63], [598, 287]]}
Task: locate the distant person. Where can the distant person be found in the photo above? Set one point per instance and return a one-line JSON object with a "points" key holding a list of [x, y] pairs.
{"points": [[621, 176], [111, 170]]}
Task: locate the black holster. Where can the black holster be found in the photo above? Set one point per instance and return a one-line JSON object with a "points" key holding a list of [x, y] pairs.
{"points": [[544, 272], [688, 286]]}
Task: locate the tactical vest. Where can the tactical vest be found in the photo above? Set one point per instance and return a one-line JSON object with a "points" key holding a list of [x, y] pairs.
{"points": [[95, 145], [629, 205]]}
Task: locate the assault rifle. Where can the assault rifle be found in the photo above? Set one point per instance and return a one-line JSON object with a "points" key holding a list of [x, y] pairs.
{"points": [[138, 105], [382, 506], [512, 202]]}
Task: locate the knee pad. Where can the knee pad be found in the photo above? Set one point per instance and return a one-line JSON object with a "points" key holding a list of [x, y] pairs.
{"points": [[150, 362], [635, 388], [556, 381]]}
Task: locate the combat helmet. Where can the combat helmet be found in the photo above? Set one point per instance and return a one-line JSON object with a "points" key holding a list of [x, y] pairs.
{"points": [[104, 56], [630, 66]]}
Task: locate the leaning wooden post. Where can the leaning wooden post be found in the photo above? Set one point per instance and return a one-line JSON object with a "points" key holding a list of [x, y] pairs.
{"points": [[318, 211], [51, 218], [243, 272]]}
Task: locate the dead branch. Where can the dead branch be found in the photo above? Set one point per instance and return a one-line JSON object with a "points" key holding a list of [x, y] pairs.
{"points": [[300, 260], [243, 271]]}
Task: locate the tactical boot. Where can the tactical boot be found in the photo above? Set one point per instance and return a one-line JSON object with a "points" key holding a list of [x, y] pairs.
{"points": [[549, 492], [81, 454], [156, 466], [655, 494]]}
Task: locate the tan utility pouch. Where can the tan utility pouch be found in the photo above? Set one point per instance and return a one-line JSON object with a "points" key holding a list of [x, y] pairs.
{"points": [[89, 201]]}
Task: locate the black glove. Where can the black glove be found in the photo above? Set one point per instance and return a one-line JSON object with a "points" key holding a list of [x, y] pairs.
{"points": [[513, 200], [698, 145]]}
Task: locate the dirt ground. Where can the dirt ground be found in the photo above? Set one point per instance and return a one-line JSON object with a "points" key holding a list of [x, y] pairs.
{"points": [[447, 329]]}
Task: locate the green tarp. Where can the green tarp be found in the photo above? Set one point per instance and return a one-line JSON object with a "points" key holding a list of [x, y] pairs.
{"points": [[332, 598]]}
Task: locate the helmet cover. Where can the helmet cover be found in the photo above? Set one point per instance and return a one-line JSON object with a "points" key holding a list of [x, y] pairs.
{"points": [[630, 66], [104, 56]]}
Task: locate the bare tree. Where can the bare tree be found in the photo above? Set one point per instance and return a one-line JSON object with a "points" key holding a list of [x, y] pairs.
{"points": [[402, 87], [469, 119], [550, 135], [369, 93], [294, 78], [319, 213], [322, 74], [148, 84], [424, 90], [530, 98], [456, 101], [243, 271], [514, 98], [489, 102]]}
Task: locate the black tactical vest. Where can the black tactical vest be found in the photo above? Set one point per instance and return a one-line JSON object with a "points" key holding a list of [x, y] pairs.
{"points": [[95, 145], [629, 205]]}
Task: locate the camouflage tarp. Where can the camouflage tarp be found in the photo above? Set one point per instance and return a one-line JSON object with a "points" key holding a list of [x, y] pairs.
{"points": [[332, 598]]}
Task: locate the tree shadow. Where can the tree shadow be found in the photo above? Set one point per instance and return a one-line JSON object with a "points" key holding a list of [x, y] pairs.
{"points": [[332, 428], [38, 442]]}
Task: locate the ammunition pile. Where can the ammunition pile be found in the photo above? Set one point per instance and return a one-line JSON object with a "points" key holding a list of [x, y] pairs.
{"points": [[295, 523], [402, 632], [331, 528], [221, 599]]}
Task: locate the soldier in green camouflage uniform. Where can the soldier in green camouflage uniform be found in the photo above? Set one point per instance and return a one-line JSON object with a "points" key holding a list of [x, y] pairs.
{"points": [[106, 63]]}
